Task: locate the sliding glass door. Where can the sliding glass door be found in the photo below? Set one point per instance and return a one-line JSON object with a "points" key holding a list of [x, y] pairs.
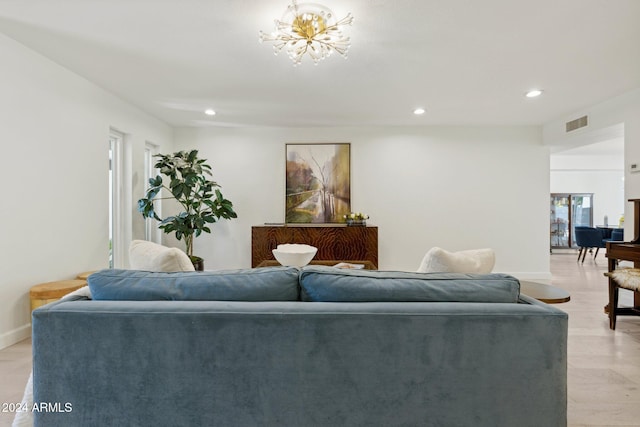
{"points": [[567, 211]]}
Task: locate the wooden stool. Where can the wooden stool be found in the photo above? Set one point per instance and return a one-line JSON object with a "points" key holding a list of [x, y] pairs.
{"points": [[45, 293], [625, 278]]}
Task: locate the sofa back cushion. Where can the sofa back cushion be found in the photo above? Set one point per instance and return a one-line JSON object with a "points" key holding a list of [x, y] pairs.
{"points": [[337, 285], [262, 284]]}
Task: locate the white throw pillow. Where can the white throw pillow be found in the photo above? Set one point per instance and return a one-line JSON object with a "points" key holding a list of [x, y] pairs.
{"points": [[149, 256], [437, 260]]}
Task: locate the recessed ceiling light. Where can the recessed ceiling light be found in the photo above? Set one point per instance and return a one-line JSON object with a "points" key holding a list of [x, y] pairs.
{"points": [[418, 111], [210, 112], [533, 93]]}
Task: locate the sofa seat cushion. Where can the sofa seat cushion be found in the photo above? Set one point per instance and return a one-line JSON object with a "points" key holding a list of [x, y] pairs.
{"points": [[264, 284], [330, 284]]}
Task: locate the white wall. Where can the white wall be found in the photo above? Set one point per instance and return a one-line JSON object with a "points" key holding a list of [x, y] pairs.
{"points": [[622, 112], [55, 127], [600, 175], [457, 188]]}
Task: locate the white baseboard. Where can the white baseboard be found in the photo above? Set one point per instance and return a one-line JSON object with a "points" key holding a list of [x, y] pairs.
{"points": [[10, 338]]}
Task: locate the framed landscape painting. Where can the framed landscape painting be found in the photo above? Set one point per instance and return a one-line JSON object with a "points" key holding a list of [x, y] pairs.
{"points": [[318, 183]]}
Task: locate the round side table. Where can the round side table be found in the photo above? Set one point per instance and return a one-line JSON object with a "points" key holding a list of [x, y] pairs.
{"points": [[84, 275], [45, 293], [545, 293]]}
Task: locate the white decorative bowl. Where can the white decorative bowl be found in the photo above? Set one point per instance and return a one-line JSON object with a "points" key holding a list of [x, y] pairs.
{"points": [[294, 255]]}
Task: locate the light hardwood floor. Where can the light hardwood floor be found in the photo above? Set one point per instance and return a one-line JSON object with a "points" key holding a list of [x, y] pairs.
{"points": [[15, 366], [604, 365], [603, 369]]}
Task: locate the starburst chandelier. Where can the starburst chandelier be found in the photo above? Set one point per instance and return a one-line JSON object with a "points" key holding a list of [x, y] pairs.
{"points": [[309, 28]]}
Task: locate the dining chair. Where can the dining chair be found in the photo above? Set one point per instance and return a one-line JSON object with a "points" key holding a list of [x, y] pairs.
{"points": [[617, 235], [588, 238]]}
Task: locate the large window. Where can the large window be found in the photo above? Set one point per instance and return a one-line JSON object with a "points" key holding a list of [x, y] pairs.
{"points": [[151, 230]]}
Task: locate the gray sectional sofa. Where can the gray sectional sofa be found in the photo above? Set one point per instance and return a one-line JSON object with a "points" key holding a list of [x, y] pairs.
{"points": [[312, 347]]}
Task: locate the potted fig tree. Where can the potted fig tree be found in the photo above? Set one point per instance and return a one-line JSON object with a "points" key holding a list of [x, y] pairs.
{"points": [[189, 183]]}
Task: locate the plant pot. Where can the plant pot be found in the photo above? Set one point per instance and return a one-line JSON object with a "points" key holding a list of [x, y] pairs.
{"points": [[356, 223], [198, 263]]}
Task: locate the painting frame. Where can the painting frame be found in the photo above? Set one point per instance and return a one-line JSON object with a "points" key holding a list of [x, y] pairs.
{"points": [[317, 182]]}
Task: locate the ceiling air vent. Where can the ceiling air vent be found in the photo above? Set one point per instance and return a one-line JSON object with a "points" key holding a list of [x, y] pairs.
{"points": [[577, 123]]}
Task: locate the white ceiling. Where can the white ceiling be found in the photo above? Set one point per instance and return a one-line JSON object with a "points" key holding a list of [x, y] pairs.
{"points": [[466, 62]]}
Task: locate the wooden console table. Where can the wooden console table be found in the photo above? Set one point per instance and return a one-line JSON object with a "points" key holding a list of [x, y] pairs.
{"points": [[334, 242], [368, 265]]}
